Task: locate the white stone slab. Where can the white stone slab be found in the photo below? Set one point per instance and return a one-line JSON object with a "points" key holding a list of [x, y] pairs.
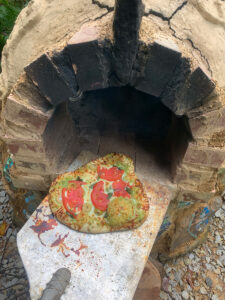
{"points": [[108, 267], [103, 266]]}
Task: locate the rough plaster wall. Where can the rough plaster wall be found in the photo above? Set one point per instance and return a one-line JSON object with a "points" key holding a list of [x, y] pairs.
{"points": [[168, 7], [203, 24], [45, 24], [42, 25], [199, 23]]}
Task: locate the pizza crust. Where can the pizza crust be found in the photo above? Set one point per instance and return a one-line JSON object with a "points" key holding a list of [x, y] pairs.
{"points": [[104, 195]]}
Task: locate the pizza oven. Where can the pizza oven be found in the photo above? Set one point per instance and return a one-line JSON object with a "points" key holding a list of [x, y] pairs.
{"points": [[119, 82]]}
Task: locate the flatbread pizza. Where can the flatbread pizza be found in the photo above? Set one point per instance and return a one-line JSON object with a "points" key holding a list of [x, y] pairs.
{"points": [[104, 195]]}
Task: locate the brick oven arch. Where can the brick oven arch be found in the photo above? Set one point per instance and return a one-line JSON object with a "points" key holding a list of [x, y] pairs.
{"points": [[39, 131]]}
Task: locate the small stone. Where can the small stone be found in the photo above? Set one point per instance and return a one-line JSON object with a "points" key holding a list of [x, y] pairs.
{"points": [[203, 291], [218, 239], [191, 268], [177, 296], [13, 281], [187, 261], [191, 256], [196, 268], [219, 263], [163, 295], [177, 276], [168, 270], [189, 288], [2, 200], [219, 252], [219, 288], [217, 271], [197, 259], [215, 297], [222, 260], [208, 281], [2, 194], [173, 283], [207, 259], [209, 267], [185, 295], [165, 284], [220, 214], [196, 283], [9, 232]]}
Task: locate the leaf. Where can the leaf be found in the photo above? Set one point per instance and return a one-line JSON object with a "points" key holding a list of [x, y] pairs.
{"points": [[117, 167], [92, 185], [70, 215], [128, 190], [3, 228], [110, 195]]}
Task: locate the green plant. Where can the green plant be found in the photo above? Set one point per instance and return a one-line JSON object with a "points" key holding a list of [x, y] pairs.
{"points": [[9, 10]]}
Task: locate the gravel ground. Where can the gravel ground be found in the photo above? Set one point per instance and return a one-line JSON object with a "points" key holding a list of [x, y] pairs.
{"points": [[200, 274], [13, 279]]}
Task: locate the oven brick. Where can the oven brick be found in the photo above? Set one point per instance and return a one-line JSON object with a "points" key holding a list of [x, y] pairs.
{"points": [[190, 196], [197, 177], [206, 124], [29, 117], [188, 89], [37, 168], [51, 82], [90, 57], [197, 88], [215, 101], [29, 181], [27, 148], [160, 63], [211, 157], [220, 184]]}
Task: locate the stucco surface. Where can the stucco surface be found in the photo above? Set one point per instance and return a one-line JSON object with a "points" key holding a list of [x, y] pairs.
{"points": [[45, 24], [41, 26]]}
